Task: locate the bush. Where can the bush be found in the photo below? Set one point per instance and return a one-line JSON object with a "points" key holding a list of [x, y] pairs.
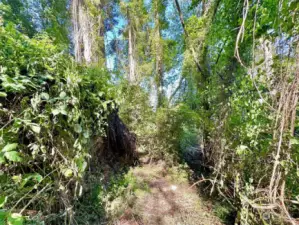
{"points": [[50, 111], [164, 133]]}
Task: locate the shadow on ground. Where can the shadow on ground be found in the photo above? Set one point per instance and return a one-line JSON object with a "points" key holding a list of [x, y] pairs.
{"points": [[165, 199]]}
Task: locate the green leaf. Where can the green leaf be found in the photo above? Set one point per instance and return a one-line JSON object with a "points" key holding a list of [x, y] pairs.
{"points": [[31, 177], [3, 94], [55, 112], [3, 200], [104, 104], [62, 95], [3, 215], [68, 172], [10, 147], [35, 128], [44, 96], [13, 156], [81, 164], [15, 219], [78, 128], [2, 159], [86, 134], [17, 178], [294, 141], [284, 163], [241, 150], [60, 110]]}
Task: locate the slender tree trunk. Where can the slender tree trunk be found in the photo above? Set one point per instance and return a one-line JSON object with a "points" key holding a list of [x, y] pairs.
{"points": [[88, 33], [195, 57], [159, 59], [132, 63]]}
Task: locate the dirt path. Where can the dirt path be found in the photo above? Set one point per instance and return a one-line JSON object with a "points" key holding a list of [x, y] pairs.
{"points": [[164, 197]]}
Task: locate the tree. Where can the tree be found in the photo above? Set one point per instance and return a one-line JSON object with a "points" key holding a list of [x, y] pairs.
{"points": [[88, 31], [132, 76], [19, 13], [158, 11], [136, 39]]}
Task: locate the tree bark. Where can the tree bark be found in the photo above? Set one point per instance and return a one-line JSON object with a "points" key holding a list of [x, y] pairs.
{"points": [[132, 63], [88, 33], [159, 58]]}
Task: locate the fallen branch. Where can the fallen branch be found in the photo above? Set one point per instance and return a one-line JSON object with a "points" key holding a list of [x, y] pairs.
{"points": [[200, 181]]}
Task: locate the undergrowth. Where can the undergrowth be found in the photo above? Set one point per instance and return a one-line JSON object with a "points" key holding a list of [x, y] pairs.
{"points": [[51, 110]]}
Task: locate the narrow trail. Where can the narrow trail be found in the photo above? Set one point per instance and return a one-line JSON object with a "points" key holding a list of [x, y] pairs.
{"points": [[165, 198]]}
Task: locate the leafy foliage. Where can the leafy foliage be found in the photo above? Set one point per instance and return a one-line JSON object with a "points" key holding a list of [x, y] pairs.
{"points": [[217, 77], [240, 104], [51, 110]]}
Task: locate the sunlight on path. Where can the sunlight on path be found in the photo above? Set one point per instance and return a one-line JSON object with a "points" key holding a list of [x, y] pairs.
{"points": [[166, 199]]}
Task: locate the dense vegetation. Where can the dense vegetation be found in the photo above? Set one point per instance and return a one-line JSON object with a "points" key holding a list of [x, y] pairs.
{"points": [[212, 79]]}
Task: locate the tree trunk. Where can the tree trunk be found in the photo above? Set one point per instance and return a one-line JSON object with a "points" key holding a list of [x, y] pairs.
{"points": [[88, 33], [159, 59], [132, 64]]}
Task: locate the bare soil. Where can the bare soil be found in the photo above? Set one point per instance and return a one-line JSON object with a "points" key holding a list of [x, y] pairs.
{"points": [[166, 199]]}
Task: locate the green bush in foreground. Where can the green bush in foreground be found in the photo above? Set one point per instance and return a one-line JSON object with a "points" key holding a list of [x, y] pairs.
{"points": [[50, 110]]}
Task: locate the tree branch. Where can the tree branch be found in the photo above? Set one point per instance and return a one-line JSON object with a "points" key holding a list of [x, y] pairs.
{"points": [[176, 90], [187, 35]]}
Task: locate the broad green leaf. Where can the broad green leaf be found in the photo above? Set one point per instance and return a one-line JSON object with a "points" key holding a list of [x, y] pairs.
{"points": [[44, 96], [60, 110], [49, 77], [3, 215], [37, 177], [35, 128], [3, 200], [68, 172], [31, 177], [17, 178], [55, 112], [3, 94], [81, 164], [104, 104], [10, 147], [13, 156], [78, 128], [62, 95], [63, 111], [86, 134], [283, 163], [15, 219], [294, 141], [2, 159]]}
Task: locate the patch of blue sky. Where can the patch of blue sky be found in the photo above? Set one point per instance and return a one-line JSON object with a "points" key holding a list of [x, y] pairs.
{"points": [[173, 32], [112, 35]]}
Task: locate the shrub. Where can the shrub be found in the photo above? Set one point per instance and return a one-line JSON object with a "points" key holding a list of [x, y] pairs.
{"points": [[50, 111]]}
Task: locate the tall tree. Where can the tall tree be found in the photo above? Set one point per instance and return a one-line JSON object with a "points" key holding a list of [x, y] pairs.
{"points": [[158, 11], [55, 19], [33, 17], [132, 76], [135, 34], [20, 15], [88, 31], [196, 32]]}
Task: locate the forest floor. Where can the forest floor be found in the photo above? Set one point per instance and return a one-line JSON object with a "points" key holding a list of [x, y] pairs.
{"points": [[164, 197]]}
